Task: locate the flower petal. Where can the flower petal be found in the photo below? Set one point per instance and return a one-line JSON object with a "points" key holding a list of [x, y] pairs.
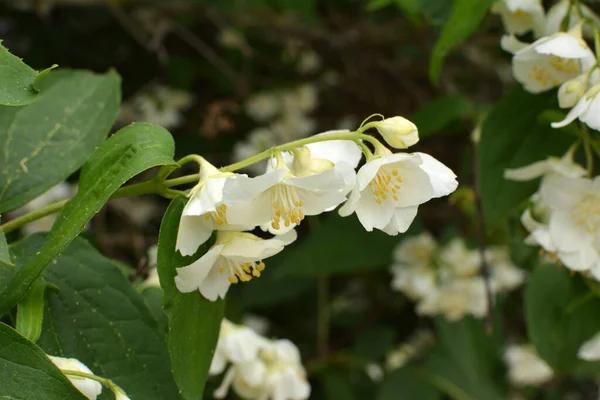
{"points": [[190, 278], [193, 231], [567, 235], [443, 180], [215, 285], [563, 193], [401, 220]]}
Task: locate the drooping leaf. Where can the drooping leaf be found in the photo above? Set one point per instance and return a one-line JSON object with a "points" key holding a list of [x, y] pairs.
{"points": [[30, 311], [463, 364], [18, 80], [407, 384], [97, 317], [130, 151], [465, 18], [561, 314], [436, 115], [512, 136], [71, 117], [194, 322], [27, 373]]}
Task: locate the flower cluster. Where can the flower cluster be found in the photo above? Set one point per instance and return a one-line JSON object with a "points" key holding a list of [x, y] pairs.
{"points": [[259, 368], [309, 180], [564, 218], [285, 117], [446, 279], [556, 58], [158, 104]]}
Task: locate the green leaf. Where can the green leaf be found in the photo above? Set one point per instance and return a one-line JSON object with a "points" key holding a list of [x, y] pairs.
{"points": [[18, 79], [561, 314], [69, 120], [436, 115], [511, 137], [464, 361], [374, 342], [27, 373], [4, 253], [194, 322], [339, 246], [128, 152], [464, 20], [407, 384], [30, 311], [97, 317]]}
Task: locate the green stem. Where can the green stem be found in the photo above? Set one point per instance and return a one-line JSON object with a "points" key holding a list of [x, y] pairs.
{"points": [[106, 382], [587, 147]]}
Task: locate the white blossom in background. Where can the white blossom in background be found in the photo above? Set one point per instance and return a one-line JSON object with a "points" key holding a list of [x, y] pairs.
{"points": [[235, 257], [557, 13], [590, 349], [521, 16], [525, 367], [259, 368], [90, 388], [447, 279], [390, 188], [257, 323], [62, 191], [374, 372], [257, 141], [151, 261], [308, 62], [157, 104], [416, 346], [549, 61]]}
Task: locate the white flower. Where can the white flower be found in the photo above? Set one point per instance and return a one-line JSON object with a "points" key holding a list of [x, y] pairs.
{"points": [[574, 220], [570, 92], [416, 250], [281, 198], [300, 100], [308, 62], [374, 372], [525, 367], [590, 350], [258, 324], [505, 274], [151, 261], [455, 299], [558, 12], [459, 259], [234, 257], [520, 16], [398, 132], [412, 271], [551, 60], [205, 211], [263, 106], [390, 188], [90, 388], [587, 110], [236, 344], [552, 166]]}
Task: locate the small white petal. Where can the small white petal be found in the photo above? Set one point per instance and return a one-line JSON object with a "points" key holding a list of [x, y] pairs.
{"points": [[190, 278], [590, 350]]}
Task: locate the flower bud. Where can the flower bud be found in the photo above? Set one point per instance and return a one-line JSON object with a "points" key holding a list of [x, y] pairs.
{"points": [[90, 388], [572, 91], [398, 132], [304, 164]]}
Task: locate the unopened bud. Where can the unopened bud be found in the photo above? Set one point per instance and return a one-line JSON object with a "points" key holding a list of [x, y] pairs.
{"points": [[571, 91], [304, 164], [398, 132]]}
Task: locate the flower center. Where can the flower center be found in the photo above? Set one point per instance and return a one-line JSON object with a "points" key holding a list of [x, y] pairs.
{"points": [[587, 213], [543, 76], [566, 65], [241, 271], [385, 185], [219, 216], [287, 206]]}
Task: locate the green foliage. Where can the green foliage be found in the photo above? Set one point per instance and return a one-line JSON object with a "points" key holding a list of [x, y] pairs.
{"points": [[512, 136], [339, 246], [373, 343], [71, 117], [26, 372], [18, 80], [194, 322], [130, 151], [4, 253], [440, 112], [561, 314], [407, 384], [97, 317], [463, 364], [30, 311], [463, 21]]}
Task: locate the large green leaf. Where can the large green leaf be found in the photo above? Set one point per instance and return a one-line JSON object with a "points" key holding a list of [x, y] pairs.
{"points": [[27, 373], [513, 136], [17, 80], [464, 362], [4, 253], [407, 384], [465, 18], [561, 314], [130, 151], [96, 316], [437, 114], [194, 322], [62, 128], [338, 246]]}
